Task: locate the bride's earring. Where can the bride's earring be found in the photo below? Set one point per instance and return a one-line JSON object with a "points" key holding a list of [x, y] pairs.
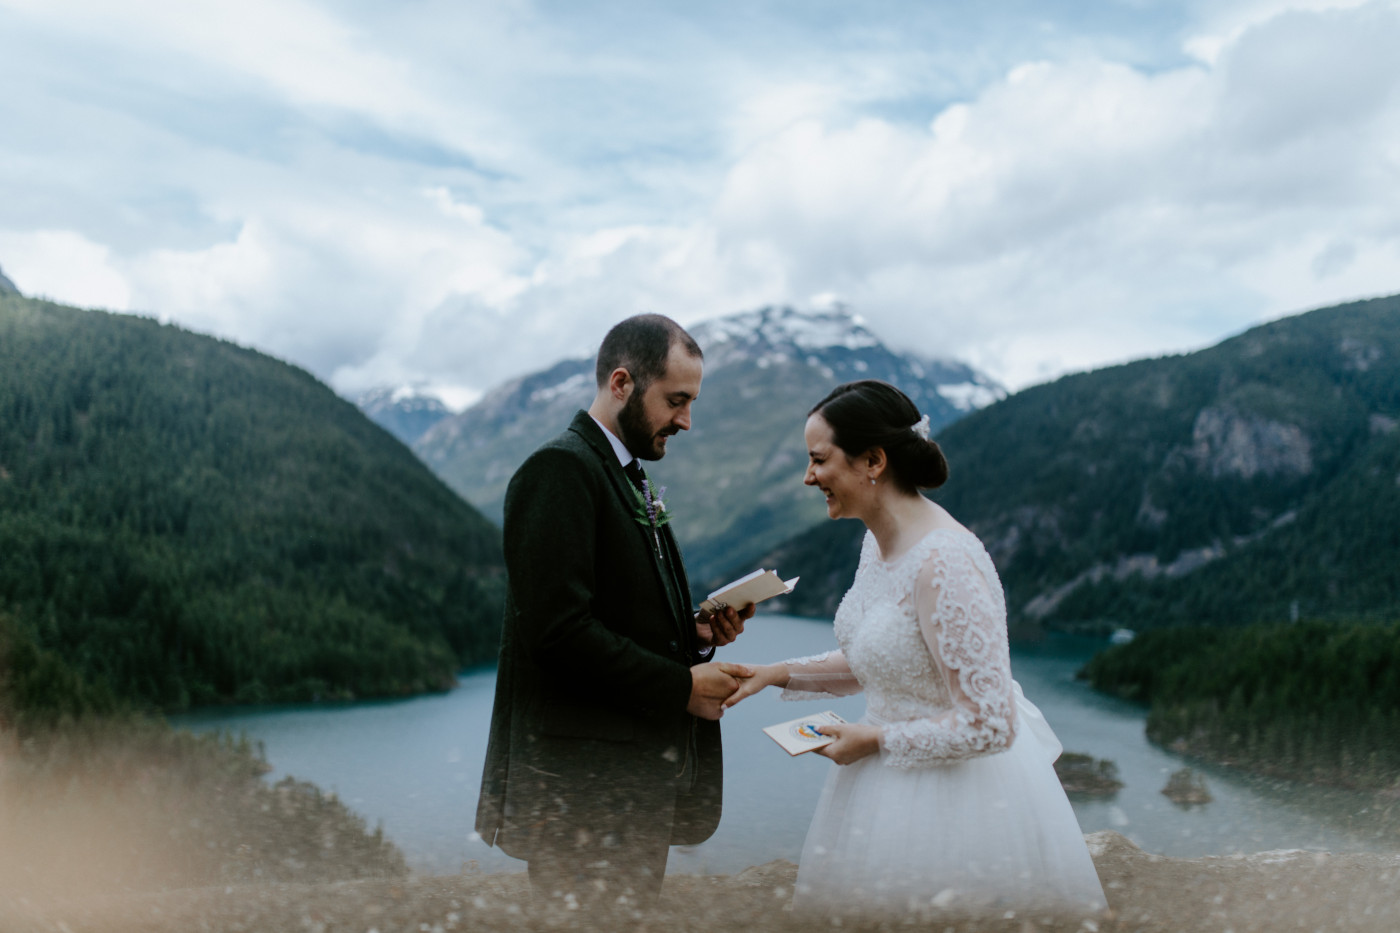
{"points": [[872, 481]]}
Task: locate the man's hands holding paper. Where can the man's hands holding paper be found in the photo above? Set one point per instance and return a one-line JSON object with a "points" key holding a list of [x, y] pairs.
{"points": [[711, 684], [717, 629]]}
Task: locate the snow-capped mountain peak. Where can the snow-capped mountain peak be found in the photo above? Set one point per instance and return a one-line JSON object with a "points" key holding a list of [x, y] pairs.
{"points": [[737, 473], [784, 331], [406, 411]]}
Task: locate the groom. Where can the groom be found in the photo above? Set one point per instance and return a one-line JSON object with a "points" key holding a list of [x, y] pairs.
{"points": [[604, 747]]}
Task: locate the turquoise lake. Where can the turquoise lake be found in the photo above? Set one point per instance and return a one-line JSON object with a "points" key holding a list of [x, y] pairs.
{"points": [[414, 767]]}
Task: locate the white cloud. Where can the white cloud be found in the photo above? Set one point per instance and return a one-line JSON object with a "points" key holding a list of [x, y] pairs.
{"points": [[453, 194], [66, 266], [1222, 23], [1081, 212], [291, 50], [345, 288]]}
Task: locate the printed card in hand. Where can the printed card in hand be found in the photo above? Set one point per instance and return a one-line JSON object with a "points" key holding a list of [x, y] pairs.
{"points": [[749, 589], [801, 735]]}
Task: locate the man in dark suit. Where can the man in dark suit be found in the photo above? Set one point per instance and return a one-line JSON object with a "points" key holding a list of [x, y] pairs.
{"points": [[604, 747]]}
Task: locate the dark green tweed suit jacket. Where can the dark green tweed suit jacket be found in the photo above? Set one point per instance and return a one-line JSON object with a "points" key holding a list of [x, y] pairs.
{"points": [[594, 669]]}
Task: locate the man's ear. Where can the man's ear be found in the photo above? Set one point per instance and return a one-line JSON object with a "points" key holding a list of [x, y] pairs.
{"points": [[620, 384]]}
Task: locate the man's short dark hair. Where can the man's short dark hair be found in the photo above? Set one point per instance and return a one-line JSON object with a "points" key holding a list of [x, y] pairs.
{"points": [[641, 345]]}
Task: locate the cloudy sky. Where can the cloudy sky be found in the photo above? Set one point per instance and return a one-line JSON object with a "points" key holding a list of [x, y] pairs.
{"points": [[453, 193]]}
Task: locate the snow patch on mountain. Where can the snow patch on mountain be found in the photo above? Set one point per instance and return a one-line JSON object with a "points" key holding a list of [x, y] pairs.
{"points": [[570, 386], [970, 396], [782, 333], [406, 411], [408, 396]]}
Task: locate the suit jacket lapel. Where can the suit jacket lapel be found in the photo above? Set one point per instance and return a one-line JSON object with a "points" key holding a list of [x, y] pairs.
{"points": [[676, 568], [625, 497]]}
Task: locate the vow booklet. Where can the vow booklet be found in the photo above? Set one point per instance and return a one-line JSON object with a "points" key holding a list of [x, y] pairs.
{"points": [[751, 588], [801, 735]]}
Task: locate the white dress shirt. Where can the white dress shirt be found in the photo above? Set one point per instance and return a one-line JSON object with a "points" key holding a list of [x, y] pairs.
{"points": [[624, 456]]}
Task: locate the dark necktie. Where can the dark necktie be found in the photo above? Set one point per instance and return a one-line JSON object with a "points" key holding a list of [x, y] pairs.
{"points": [[673, 588], [635, 474]]}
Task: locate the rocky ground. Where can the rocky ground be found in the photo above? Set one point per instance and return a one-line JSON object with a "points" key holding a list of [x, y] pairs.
{"points": [[1272, 891]]}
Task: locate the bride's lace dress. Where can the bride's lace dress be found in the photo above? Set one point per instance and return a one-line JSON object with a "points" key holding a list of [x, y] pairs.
{"points": [[961, 809]]}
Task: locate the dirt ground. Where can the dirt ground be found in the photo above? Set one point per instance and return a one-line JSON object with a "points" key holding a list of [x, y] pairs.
{"points": [[1270, 892]]}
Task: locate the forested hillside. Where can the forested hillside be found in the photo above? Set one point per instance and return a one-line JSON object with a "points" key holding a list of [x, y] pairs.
{"points": [[1313, 701], [1256, 480], [185, 521]]}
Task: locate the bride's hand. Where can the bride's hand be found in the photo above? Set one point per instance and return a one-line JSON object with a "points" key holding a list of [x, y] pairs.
{"points": [[854, 741], [764, 675]]}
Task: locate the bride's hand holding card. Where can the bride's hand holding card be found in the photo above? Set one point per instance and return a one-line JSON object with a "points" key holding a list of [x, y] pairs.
{"points": [[800, 735]]}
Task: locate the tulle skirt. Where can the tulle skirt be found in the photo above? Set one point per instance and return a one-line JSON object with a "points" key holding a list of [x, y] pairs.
{"points": [[988, 833]]}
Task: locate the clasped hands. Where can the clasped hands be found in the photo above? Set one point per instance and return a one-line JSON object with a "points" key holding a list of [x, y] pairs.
{"points": [[718, 685], [714, 682]]}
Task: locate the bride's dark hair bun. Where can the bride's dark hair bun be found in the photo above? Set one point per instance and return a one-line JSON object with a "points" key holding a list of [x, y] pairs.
{"points": [[868, 414]]}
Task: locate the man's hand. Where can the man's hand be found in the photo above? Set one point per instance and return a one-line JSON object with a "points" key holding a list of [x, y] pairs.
{"points": [[764, 675], [711, 684], [717, 629]]}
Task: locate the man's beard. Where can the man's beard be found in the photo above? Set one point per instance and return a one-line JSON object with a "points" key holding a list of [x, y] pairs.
{"points": [[637, 434]]}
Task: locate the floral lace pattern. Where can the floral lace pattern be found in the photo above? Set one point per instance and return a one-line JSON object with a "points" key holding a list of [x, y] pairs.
{"points": [[814, 676], [925, 636]]}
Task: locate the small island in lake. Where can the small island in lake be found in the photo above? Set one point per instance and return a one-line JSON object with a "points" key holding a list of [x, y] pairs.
{"points": [[1086, 776], [1187, 788]]}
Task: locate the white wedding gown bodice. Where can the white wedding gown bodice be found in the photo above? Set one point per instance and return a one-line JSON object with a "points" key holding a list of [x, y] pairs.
{"points": [[961, 808], [942, 683]]}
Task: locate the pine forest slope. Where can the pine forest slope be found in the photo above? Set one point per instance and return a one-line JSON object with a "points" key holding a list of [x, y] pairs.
{"points": [[185, 521], [734, 481], [1258, 480]]}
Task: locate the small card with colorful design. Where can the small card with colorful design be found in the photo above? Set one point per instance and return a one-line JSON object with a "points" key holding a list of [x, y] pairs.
{"points": [[801, 735]]}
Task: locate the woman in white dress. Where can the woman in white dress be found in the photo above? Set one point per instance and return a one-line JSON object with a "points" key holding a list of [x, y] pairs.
{"points": [[946, 797]]}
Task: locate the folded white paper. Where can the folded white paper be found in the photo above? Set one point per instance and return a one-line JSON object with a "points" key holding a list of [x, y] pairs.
{"points": [[749, 589]]}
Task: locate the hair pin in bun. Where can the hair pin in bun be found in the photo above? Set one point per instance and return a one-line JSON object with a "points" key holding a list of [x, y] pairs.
{"points": [[921, 428]]}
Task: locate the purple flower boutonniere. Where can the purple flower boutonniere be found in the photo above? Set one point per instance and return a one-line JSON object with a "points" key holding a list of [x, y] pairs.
{"points": [[657, 514], [651, 509]]}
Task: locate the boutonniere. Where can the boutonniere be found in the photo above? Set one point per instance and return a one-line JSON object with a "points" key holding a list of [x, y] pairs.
{"points": [[651, 508]]}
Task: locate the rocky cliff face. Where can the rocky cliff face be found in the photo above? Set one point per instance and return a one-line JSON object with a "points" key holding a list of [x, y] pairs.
{"points": [[1226, 442]]}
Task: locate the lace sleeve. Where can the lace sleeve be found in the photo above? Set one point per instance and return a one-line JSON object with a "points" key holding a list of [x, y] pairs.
{"points": [[819, 675], [827, 674], [963, 619]]}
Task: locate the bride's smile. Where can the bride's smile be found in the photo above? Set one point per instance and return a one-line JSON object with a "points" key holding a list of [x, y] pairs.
{"points": [[833, 471]]}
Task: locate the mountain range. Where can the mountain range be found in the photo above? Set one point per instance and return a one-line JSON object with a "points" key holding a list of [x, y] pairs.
{"points": [[404, 411], [1257, 480], [734, 481], [185, 521]]}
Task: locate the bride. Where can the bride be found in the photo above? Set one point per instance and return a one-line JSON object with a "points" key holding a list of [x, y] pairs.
{"points": [[946, 798]]}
